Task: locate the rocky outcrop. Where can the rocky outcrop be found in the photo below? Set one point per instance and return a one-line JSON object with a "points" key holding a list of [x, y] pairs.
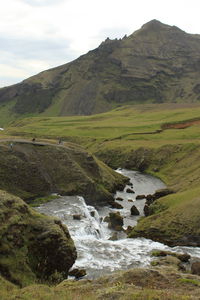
{"points": [[33, 247], [116, 205], [31, 170], [148, 209]]}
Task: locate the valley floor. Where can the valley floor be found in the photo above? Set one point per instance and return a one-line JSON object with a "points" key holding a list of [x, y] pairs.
{"points": [[163, 140]]}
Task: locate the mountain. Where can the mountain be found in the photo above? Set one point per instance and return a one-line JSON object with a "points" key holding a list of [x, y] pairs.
{"points": [[157, 63]]}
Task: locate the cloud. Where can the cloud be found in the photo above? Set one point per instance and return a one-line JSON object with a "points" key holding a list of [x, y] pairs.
{"points": [[42, 2], [24, 57], [45, 33], [28, 48]]}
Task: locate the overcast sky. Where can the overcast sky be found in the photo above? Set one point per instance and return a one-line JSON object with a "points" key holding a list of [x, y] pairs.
{"points": [[39, 34]]}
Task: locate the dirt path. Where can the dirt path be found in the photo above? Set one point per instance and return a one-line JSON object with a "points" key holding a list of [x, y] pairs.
{"points": [[24, 141]]}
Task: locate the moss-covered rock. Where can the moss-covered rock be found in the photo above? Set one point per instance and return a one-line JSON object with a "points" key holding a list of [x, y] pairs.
{"points": [[115, 221], [33, 246], [31, 170], [183, 257]]}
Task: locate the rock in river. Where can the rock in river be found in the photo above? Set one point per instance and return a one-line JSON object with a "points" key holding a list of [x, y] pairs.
{"points": [[134, 211], [116, 221]]}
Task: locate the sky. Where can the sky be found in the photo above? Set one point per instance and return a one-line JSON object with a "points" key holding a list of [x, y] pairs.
{"points": [[36, 35]]}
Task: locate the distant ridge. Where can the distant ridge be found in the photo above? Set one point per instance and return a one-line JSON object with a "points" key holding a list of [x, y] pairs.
{"points": [[157, 63]]}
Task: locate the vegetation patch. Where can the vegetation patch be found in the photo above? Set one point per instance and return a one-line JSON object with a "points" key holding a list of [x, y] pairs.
{"points": [[34, 247]]}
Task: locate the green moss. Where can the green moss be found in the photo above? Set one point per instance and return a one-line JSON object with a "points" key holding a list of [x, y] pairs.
{"points": [[38, 201], [189, 281], [31, 244], [157, 283], [36, 170]]}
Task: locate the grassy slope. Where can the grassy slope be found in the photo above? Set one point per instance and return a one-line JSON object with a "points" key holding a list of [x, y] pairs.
{"points": [[119, 123], [34, 170], [120, 138], [137, 284], [32, 244]]}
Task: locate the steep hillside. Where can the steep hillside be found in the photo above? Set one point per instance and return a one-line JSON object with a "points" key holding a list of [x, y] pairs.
{"points": [[32, 170], [158, 63]]}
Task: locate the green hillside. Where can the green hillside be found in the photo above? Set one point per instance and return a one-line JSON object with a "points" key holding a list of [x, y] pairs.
{"points": [[142, 125], [160, 139]]}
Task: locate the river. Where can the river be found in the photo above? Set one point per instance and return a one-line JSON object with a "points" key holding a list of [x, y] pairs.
{"points": [[96, 253]]}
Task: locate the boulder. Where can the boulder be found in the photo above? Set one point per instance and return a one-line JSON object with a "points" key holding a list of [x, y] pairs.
{"points": [[168, 261], [130, 200], [119, 199], [114, 237], [183, 257], [92, 213], [106, 219], [128, 190], [129, 229], [158, 194], [162, 192], [77, 273], [77, 217], [120, 187], [116, 205], [140, 197], [195, 268], [150, 199], [115, 221], [134, 211]]}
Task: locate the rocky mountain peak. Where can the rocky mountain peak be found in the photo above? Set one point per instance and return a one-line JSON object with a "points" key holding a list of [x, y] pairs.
{"points": [[157, 63]]}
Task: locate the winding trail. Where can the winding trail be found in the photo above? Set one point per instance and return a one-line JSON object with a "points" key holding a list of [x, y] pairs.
{"points": [[36, 143]]}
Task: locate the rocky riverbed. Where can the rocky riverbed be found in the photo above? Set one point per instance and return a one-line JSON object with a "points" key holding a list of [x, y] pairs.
{"points": [[98, 252]]}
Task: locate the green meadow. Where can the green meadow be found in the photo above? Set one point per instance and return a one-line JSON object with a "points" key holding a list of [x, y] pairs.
{"points": [[146, 138], [135, 125]]}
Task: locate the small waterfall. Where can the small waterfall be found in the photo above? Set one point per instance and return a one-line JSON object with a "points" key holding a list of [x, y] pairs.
{"points": [[92, 223], [96, 253]]}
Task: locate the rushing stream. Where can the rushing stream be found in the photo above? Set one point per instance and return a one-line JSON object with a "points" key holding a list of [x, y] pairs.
{"points": [[96, 253]]}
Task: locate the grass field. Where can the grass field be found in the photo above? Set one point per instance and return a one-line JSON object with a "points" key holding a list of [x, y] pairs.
{"points": [[132, 124], [134, 137]]}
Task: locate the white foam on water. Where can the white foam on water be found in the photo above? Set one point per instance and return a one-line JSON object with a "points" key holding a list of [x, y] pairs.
{"points": [[96, 253]]}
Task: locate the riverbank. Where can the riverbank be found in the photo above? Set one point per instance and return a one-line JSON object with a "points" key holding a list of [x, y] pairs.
{"points": [[100, 248], [31, 170]]}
